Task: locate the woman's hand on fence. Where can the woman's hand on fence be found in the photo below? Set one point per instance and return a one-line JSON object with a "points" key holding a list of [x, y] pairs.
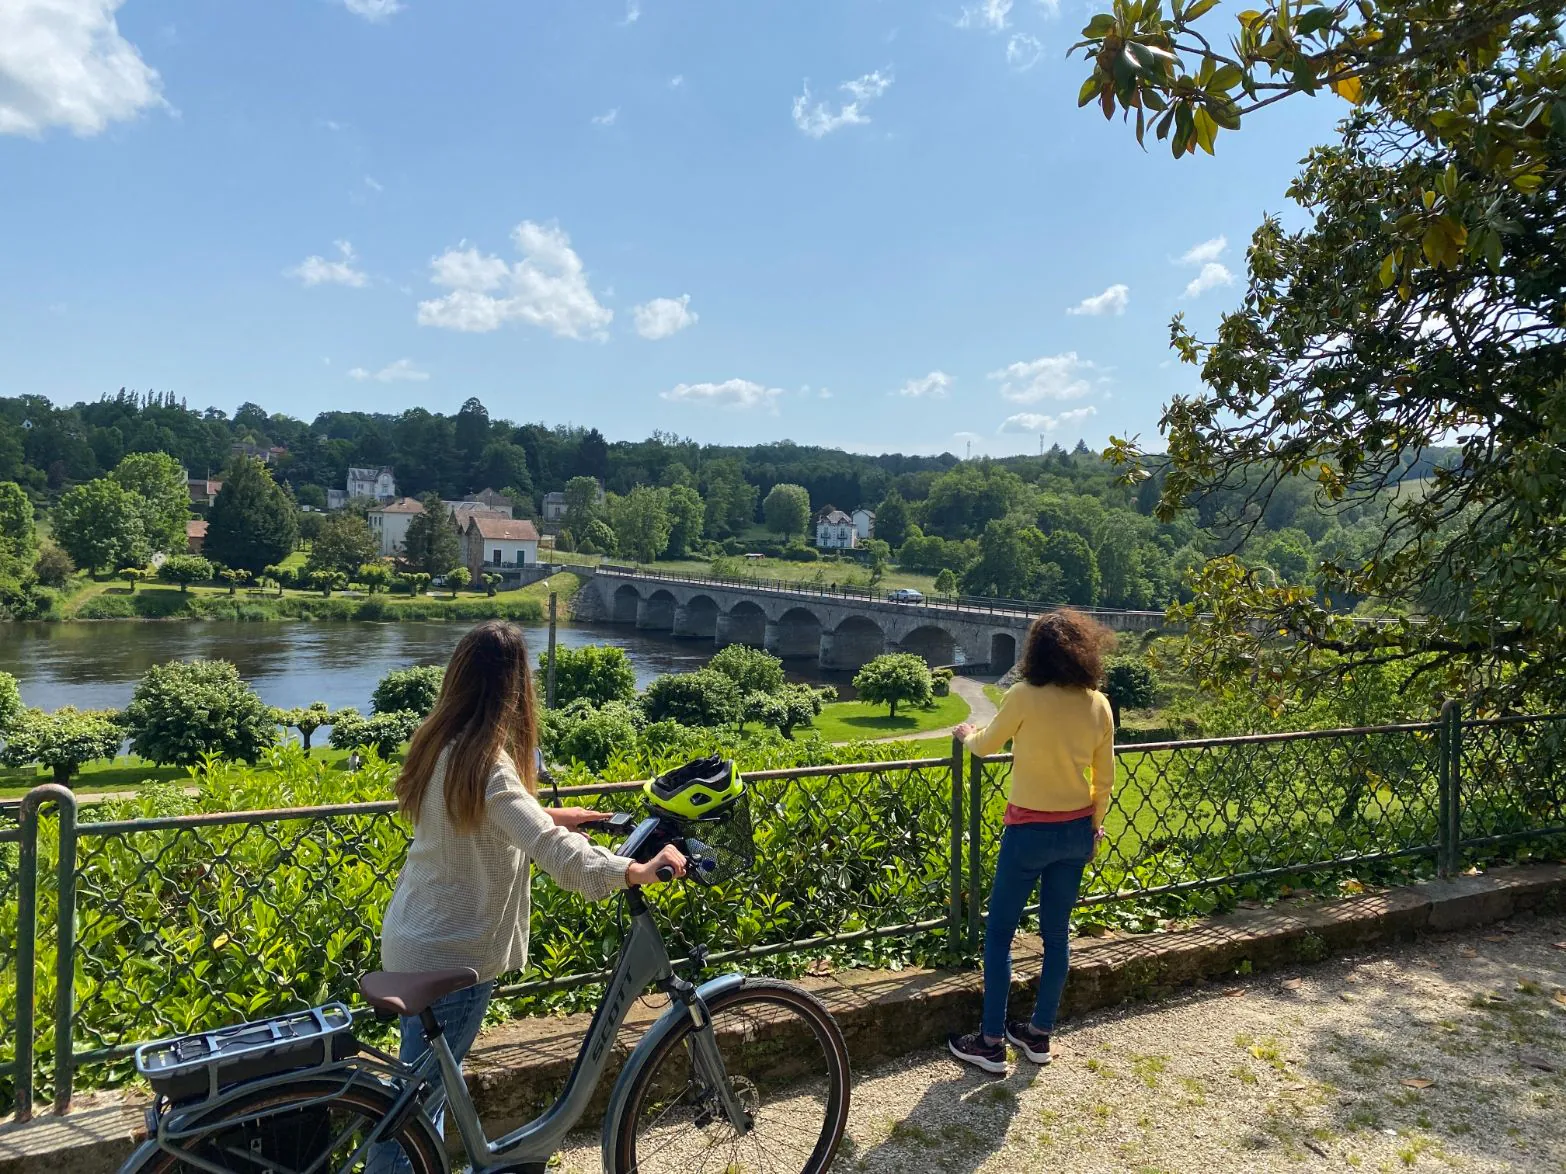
{"points": [[1098, 839], [965, 731], [647, 874]]}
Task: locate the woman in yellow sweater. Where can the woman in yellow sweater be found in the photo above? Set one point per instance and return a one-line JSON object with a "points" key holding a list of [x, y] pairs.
{"points": [[1063, 766]]}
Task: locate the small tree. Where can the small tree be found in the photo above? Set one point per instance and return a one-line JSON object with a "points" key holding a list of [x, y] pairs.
{"points": [[878, 554], [595, 673], [894, 678], [183, 710], [418, 583], [703, 698], [375, 576], [382, 732], [751, 669], [63, 740], [946, 582], [412, 690], [787, 509], [276, 576], [306, 719], [234, 577], [1130, 684], [185, 569], [783, 711], [10, 702], [491, 583], [457, 578], [132, 575], [54, 567], [328, 581]]}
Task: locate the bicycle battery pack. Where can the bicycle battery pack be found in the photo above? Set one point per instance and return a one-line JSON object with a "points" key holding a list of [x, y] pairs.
{"points": [[203, 1065]]}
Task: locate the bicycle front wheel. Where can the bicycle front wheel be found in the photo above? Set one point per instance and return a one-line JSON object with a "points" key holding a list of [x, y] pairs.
{"points": [[310, 1124], [786, 1064]]}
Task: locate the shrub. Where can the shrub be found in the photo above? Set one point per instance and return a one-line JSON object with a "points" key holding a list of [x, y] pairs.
{"points": [[703, 698], [10, 702], [413, 690], [63, 740], [893, 678], [381, 732], [798, 552], [457, 578], [946, 582], [185, 569], [54, 567], [941, 682], [595, 673], [791, 706], [1130, 684], [753, 670], [184, 710], [593, 736]]}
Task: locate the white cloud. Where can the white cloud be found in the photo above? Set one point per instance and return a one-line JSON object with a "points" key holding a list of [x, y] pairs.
{"points": [[1209, 250], [316, 270], [731, 393], [1023, 51], [676, 81], [548, 288], [374, 184], [633, 12], [931, 386], [993, 15], [1038, 422], [820, 120], [1213, 275], [662, 317], [402, 371], [1051, 7], [607, 118], [373, 10], [64, 63], [1112, 301], [1051, 377]]}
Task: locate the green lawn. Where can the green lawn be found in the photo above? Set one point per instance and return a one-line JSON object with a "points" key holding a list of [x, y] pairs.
{"points": [[847, 721], [995, 693], [125, 773]]}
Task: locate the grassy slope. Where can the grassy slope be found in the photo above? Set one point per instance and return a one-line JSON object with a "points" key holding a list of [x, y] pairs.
{"points": [[846, 721]]}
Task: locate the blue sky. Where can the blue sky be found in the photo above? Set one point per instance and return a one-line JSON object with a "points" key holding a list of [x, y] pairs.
{"points": [[880, 224]]}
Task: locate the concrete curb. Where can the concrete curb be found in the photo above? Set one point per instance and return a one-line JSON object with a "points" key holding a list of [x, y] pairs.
{"points": [[516, 1069]]}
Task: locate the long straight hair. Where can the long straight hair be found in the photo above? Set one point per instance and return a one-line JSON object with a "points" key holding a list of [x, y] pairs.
{"points": [[485, 708]]}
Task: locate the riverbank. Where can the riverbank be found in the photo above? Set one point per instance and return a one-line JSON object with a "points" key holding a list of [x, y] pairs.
{"points": [[114, 601]]}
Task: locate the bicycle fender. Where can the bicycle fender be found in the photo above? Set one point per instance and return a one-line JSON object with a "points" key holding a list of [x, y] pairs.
{"points": [[667, 1022]]}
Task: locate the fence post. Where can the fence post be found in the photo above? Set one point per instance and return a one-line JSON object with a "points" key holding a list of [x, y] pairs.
{"points": [[954, 909], [1454, 803], [65, 953], [975, 811], [549, 676], [1444, 790], [26, 950]]}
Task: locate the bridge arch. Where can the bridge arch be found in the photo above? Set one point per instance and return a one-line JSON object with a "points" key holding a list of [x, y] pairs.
{"points": [[935, 644], [697, 617], [622, 606], [853, 642], [744, 623], [656, 612], [795, 635], [1003, 651]]}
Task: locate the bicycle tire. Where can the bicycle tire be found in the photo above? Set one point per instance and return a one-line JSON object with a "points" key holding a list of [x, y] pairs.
{"points": [[421, 1146], [734, 1038]]}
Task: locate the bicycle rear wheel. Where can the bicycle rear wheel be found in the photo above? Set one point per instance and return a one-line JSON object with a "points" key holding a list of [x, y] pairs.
{"points": [[278, 1131], [787, 1065]]}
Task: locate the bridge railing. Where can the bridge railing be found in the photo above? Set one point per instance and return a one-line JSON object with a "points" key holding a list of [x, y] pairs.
{"points": [[117, 927], [964, 606]]}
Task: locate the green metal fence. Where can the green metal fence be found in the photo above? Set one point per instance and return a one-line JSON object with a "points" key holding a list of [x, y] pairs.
{"points": [[112, 932]]}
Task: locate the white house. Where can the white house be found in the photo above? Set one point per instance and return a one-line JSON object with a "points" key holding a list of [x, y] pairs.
{"points": [[835, 531], [555, 508], [864, 523], [376, 484], [389, 523], [494, 545]]}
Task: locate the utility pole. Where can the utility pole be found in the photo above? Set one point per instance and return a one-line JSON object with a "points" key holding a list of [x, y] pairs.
{"points": [[549, 674]]}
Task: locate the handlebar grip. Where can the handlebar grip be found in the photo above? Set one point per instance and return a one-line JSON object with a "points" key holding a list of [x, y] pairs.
{"points": [[666, 873]]}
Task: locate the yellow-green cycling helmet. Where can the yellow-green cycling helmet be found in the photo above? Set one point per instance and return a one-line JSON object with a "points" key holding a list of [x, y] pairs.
{"points": [[701, 789]]}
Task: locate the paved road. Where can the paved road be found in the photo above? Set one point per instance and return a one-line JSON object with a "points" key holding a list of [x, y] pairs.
{"points": [[1447, 1054]]}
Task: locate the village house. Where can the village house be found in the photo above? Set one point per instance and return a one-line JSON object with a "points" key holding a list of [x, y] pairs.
{"points": [[555, 509], [498, 546], [835, 530], [195, 535], [864, 523], [375, 484], [267, 455], [389, 523], [203, 491]]}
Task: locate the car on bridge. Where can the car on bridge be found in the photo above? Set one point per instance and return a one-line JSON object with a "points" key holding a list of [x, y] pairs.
{"points": [[905, 595]]}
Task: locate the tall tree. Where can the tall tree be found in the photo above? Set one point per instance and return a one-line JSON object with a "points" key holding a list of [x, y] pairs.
{"points": [[158, 484], [99, 525], [592, 455], [253, 523], [686, 515], [344, 543], [787, 509], [731, 500], [503, 466], [583, 503], [431, 546], [641, 522], [891, 519], [18, 537], [470, 434]]}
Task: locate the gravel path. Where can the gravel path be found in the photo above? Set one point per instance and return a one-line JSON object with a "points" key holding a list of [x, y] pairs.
{"points": [[981, 711], [1445, 1054]]}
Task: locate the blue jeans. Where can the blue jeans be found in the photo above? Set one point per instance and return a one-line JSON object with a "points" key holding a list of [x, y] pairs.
{"points": [[1050, 857], [460, 1016]]}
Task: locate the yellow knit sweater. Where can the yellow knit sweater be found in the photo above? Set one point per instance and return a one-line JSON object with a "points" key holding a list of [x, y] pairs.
{"points": [[1063, 747]]}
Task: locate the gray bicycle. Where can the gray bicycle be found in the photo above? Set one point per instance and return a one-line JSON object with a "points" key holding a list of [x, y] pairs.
{"points": [[739, 1074]]}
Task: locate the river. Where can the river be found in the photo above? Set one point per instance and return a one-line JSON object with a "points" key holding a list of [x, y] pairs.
{"points": [[96, 665]]}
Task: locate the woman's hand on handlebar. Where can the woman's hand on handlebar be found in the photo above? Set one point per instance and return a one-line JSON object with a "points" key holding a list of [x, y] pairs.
{"points": [[668, 864]]}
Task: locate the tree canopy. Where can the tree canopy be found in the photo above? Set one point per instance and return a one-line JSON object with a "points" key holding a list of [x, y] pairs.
{"points": [[253, 523]]}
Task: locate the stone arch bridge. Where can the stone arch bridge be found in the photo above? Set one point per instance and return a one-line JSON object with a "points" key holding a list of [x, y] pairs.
{"points": [[798, 621]]}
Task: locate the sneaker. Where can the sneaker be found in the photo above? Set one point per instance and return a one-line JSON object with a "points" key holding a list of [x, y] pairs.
{"points": [[971, 1049], [1029, 1040]]}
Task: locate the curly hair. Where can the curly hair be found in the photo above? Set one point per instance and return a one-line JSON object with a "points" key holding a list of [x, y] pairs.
{"points": [[1065, 648]]}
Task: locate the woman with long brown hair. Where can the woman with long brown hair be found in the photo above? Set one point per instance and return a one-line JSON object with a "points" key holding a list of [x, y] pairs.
{"points": [[469, 785], [1063, 767]]}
